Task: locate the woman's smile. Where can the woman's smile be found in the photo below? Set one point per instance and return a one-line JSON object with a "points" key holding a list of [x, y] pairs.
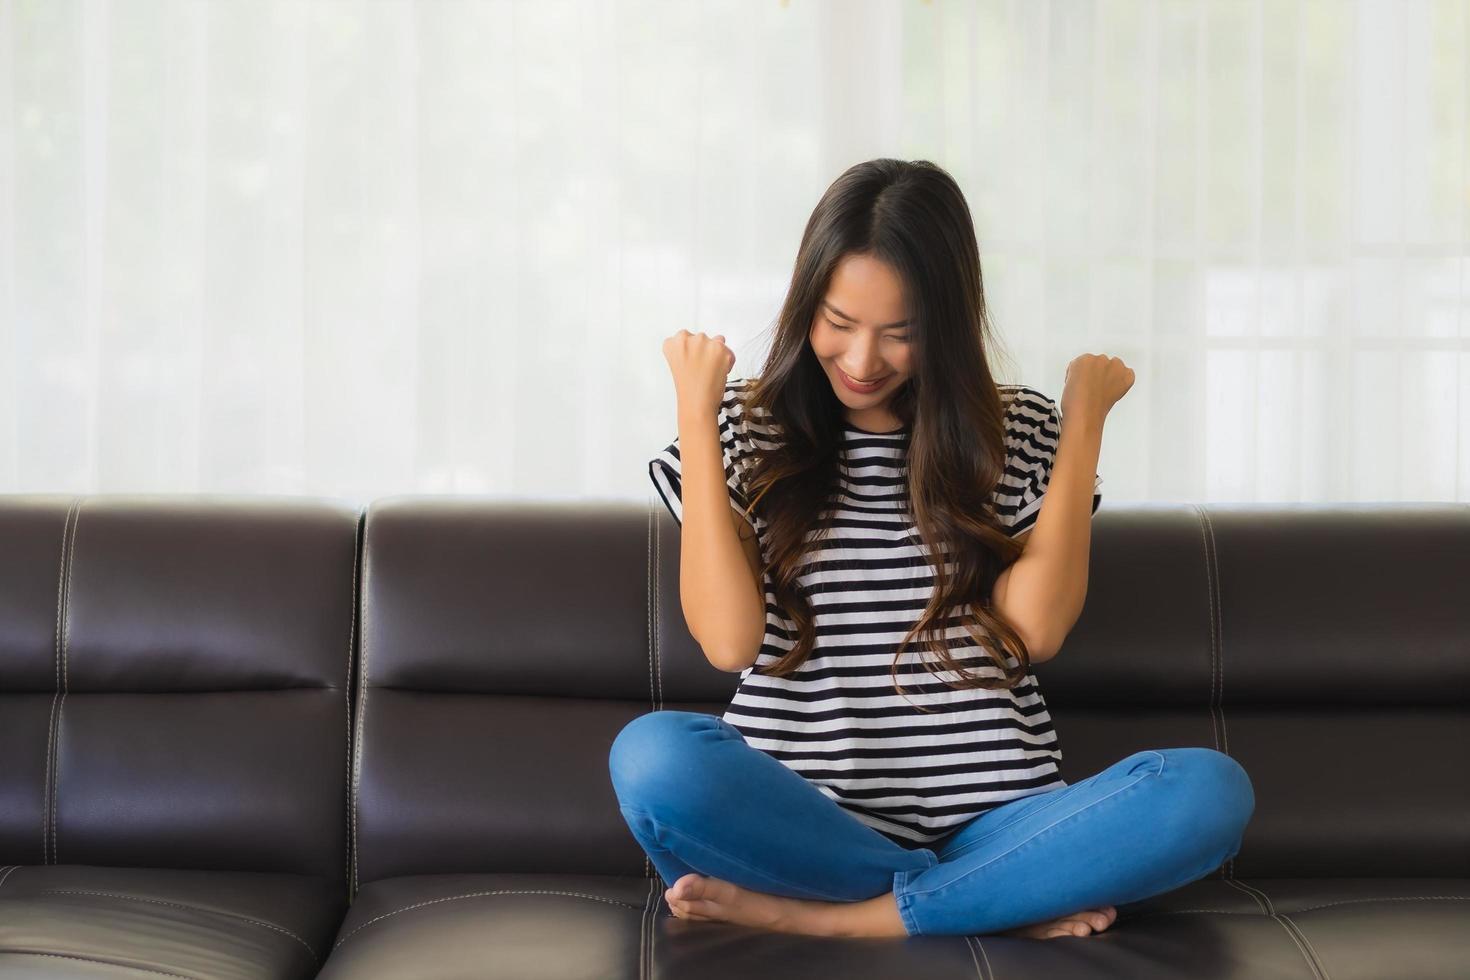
{"points": [[854, 385]]}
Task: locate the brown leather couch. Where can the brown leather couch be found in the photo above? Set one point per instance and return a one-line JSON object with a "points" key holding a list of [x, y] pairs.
{"points": [[278, 737]]}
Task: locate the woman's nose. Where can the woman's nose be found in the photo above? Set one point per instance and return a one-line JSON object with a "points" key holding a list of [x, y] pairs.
{"points": [[865, 361]]}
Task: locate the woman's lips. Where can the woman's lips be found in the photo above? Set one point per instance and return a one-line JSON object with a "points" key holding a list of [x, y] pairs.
{"points": [[863, 389]]}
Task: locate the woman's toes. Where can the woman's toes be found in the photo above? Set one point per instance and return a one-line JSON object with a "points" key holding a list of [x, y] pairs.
{"points": [[687, 887], [684, 912], [1069, 928]]}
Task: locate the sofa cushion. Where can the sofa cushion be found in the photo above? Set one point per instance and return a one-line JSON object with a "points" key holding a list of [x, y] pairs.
{"points": [[499, 925], [565, 926], [83, 921], [173, 682], [485, 708]]}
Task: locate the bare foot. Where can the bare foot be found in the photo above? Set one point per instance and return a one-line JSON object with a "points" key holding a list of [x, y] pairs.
{"points": [[705, 899], [1077, 924]]}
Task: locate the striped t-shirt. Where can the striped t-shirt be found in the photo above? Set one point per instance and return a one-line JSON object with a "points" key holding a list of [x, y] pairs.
{"points": [[838, 721]]}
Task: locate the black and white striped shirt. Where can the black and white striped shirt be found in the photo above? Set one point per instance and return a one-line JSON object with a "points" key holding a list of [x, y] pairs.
{"points": [[838, 721]]}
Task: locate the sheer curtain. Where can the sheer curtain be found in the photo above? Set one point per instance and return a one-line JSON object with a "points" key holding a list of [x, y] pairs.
{"points": [[360, 249]]}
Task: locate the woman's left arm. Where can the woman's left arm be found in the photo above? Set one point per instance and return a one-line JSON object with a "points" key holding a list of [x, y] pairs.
{"points": [[1041, 594]]}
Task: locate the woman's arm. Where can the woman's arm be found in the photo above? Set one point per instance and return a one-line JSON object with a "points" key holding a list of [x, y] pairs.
{"points": [[720, 590], [1042, 592]]}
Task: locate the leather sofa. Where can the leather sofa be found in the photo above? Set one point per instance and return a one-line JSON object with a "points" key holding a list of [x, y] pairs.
{"points": [[250, 737]]}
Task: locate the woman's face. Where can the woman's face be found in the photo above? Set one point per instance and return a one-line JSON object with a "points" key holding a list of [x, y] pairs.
{"points": [[859, 334]]}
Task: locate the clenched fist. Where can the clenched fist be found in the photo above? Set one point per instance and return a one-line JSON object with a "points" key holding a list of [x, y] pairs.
{"points": [[700, 365], [1094, 383]]}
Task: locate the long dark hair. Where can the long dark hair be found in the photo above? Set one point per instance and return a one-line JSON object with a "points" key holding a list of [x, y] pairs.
{"points": [[912, 216]]}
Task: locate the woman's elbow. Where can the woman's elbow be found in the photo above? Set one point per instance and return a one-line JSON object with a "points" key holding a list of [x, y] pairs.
{"points": [[1040, 654]]}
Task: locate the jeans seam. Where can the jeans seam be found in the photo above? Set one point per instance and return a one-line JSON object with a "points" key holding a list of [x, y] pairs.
{"points": [[905, 914], [733, 860], [971, 845], [1043, 830]]}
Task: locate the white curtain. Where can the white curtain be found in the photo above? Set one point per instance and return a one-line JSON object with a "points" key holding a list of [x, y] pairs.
{"points": [[361, 249]]}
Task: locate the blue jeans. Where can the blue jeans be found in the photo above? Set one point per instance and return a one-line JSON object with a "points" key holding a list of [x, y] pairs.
{"points": [[699, 798]]}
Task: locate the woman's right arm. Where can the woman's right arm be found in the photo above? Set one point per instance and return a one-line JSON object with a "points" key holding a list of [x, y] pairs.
{"points": [[720, 587]]}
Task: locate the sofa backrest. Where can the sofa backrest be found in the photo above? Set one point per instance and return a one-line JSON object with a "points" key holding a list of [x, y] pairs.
{"points": [[1325, 647], [1322, 646], [174, 678], [173, 681], [504, 646]]}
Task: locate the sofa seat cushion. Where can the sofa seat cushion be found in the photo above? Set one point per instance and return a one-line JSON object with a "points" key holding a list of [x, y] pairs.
{"points": [[526, 926], [569, 926], [86, 921], [1348, 928]]}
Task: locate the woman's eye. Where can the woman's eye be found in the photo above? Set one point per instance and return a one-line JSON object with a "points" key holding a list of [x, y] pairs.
{"points": [[845, 329]]}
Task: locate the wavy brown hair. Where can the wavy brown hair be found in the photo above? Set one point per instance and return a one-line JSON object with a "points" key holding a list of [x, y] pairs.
{"points": [[912, 216]]}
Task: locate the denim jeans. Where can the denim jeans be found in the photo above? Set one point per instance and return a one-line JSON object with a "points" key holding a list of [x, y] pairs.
{"points": [[699, 798]]}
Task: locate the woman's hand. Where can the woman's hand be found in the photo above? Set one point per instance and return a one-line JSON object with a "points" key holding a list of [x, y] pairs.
{"points": [[1094, 383], [700, 365]]}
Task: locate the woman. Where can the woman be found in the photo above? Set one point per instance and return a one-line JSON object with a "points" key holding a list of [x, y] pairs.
{"points": [[840, 794]]}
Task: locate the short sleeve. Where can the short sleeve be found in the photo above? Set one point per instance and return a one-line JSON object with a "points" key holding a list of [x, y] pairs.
{"points": [[1033, 425], [736, 447]]}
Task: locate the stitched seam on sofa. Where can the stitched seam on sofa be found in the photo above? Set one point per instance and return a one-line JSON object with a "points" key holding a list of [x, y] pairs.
{"points": [[500, 891], [1311, 960], [1144, 915], [826, 896], [65, 687], [1305, 939], [1210, 606], [192, 908], [648, 932], [347, 699], [51, 718], [987, 973], [1217, 673], [46, 787], [1297, 936], [1397, 898], [56, 697], [347, 695], [653, 598], [93, 959], [648, 600], [362, 699], [1296, 929], [7, 874], [1310, 908], [1262, 899], [658, 650], [1012, 849], [65, 635], [1220, 661], [1219, 636]]}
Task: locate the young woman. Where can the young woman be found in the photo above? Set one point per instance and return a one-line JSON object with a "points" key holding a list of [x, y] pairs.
{"points": [[841, 793]]}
